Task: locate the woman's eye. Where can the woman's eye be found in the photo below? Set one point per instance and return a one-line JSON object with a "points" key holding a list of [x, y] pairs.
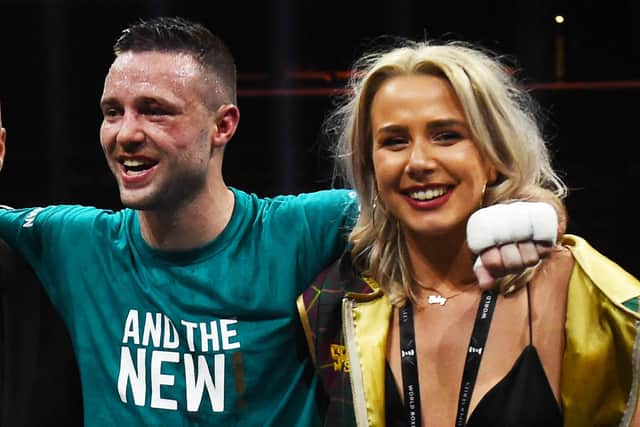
{"points": [[447, 137], [390, 142]]}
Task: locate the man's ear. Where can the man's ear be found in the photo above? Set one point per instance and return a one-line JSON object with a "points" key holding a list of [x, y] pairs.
{"points": [[227, 118]]}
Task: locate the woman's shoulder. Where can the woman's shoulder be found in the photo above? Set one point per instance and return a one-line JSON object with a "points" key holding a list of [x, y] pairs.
{"points": [[554, 272]]}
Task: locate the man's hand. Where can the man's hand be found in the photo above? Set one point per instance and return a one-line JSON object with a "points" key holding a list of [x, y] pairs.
{"points": [[510, 237]]}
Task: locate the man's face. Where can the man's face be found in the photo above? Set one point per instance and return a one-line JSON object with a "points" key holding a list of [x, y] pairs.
{"points": [[156, 130]]}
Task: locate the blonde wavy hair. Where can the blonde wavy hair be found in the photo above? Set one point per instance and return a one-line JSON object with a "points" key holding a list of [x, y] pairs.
{"points": [[503, 121]]}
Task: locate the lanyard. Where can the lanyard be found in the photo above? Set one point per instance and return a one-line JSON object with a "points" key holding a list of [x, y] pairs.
{"points": [[409, 359]]}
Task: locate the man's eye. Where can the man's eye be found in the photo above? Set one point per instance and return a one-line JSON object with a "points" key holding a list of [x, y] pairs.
{"points": [[153, 109], [111, 112], [155, 112]]}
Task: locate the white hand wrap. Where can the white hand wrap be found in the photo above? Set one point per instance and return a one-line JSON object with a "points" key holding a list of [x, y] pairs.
{"points": [[510, 223]]}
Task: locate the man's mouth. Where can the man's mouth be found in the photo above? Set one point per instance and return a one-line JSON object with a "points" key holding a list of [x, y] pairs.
{"points": [[133, 167]]}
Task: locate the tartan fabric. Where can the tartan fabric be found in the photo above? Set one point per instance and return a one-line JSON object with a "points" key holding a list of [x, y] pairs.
{"points": [[322, 303]]}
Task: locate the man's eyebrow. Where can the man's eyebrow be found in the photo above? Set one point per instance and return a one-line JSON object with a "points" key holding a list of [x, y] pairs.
{"points": [[108, 102], [150, 100], [142, 101]]}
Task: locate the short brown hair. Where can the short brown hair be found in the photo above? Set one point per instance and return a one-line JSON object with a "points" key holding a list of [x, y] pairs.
{"points": [[174, 34]]}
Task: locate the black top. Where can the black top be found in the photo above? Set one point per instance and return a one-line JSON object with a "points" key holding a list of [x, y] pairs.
{"points": [[39, 380], [522, 398]]}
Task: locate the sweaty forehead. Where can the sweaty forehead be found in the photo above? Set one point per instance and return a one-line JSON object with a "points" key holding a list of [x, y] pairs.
{"points": [[179, 63], [154, 71]]}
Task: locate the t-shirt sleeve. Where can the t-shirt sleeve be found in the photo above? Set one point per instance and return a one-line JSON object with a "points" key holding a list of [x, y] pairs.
{"points": [[329, 216], [17, 228]]}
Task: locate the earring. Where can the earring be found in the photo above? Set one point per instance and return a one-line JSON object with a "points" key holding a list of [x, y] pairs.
{"points": [[374, 205], [484, 190]]}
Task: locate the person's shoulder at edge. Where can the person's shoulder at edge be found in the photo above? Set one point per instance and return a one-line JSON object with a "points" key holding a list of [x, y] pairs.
{"points": [[67, 213]]}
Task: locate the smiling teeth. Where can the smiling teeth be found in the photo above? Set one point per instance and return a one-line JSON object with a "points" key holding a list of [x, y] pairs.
{"points": [[429, 194], [130, 163]]}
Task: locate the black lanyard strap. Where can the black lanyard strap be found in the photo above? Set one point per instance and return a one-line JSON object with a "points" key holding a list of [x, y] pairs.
{"points": [[474, 353], [409, 359]]}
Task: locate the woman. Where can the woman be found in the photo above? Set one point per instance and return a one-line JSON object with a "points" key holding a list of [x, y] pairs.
{"points": [[400, 332]]}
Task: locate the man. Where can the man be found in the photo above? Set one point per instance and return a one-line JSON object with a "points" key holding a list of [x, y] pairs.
{"points": [[39, 381], [182, 304]]}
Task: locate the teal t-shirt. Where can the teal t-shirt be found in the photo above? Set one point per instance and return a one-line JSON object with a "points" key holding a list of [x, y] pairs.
{"points": [[205, 337]]}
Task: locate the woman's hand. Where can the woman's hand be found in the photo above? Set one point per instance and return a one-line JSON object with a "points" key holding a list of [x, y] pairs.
{"points": [[510, 237]]}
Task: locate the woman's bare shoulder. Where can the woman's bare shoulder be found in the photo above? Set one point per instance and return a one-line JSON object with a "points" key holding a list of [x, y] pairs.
{"points": [[553, 273]]}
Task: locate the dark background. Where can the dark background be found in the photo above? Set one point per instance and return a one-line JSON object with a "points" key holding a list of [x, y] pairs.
{"points": [[54, 55]]}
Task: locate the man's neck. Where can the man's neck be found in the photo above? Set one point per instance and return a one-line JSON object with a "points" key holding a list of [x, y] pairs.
{"points": [[190, 226]]}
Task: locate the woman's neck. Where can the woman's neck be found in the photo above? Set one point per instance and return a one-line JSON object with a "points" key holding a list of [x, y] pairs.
{"points": [[441, 263]]}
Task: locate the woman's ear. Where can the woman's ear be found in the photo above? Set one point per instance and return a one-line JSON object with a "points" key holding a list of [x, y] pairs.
{"points": [[492, 175]]}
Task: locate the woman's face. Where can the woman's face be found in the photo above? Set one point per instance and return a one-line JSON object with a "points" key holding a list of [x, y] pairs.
{"points": [[429, 172]]}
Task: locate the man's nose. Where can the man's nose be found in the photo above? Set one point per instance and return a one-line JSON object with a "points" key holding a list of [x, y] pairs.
{"points": [[130, 130]]}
